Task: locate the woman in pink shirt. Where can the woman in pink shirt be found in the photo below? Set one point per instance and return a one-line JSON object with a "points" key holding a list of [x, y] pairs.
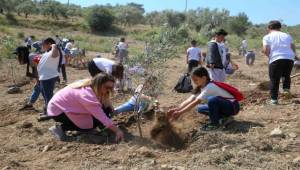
{"points": [[80, 106]]}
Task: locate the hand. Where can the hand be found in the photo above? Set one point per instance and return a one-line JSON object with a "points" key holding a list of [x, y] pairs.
{"points": [[53, 46], [119, 135], [235, 66], [211, 65], [170, 112], [176, 115]]}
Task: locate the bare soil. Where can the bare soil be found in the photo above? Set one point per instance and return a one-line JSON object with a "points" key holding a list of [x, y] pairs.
{"points": [[26, 143]]}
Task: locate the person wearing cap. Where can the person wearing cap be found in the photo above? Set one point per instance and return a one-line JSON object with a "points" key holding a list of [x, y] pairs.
{"points": [[216, 57], [280, 50], [48, 71]]}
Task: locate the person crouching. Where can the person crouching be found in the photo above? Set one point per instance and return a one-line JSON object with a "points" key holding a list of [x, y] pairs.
{"points": [[83, 105]]}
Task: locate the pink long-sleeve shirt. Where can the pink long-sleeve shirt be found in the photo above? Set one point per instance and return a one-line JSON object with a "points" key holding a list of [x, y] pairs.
{"points": [[80, 106]]}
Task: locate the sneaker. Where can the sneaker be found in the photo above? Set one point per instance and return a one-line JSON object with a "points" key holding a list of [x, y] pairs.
{"points": [[58, 132], [210, 127], [43, 117], [273, 102], [27, 107], [226, 121]]}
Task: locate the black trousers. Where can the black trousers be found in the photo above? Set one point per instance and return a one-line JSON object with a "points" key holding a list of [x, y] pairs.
{"points": [[192, 64], [67, 124], [93, 69], [63, 71], [280, 69]]}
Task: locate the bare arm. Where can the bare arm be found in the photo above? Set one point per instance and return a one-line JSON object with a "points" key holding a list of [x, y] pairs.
{"points": [[55, 52], [186, 102], [187, 57], [293, 47], [266, 50]]}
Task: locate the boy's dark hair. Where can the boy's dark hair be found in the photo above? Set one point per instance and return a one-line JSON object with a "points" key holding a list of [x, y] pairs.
{"points": [[274, 25], [118, 70], [71, 40], [200, 72], [122, 39], [48, 41], [194, 42], [221, 32]]}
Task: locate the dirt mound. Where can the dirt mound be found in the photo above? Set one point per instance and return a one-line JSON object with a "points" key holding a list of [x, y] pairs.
{"points": [[164, 133], [264, 86]]}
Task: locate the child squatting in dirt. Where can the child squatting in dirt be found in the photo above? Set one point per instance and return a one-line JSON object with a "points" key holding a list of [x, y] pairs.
{"points": [[221, 105]]}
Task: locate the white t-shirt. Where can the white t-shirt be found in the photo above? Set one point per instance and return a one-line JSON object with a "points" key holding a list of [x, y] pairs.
{"points": [[212, 90], [104, 64], [194, 53], [244, 44], [69, 46], [122, 46], [280, 46], [48, 66]]}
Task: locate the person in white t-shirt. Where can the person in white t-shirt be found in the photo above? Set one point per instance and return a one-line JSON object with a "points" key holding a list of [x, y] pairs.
{"points": [[193, 56], [244, 47], [67, 51], [48, 71], [220, 107], [122, 50], [280, 50], [99, 65]]}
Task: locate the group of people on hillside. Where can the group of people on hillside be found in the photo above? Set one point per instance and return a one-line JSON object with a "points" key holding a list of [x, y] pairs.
{"points": [[86, 104]]}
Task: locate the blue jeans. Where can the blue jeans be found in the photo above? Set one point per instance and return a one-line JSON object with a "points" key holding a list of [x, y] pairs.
{"points": [[47, 88], [129, 107], [35, 93], [218, 108]]}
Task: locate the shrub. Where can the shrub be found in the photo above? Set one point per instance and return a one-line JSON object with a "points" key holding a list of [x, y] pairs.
{"points": [[7, 46], [100, 19], [20, 35]]}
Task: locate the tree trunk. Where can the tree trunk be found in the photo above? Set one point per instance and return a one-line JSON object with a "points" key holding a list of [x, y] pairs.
{"points": [[26, 15]]}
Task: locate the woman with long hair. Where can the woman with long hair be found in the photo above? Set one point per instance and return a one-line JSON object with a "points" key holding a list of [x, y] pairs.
{"points": [[83, 105]]}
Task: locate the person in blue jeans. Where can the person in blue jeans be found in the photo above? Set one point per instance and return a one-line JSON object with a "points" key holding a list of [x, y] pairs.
{"points": [[220, 105], [140, 96], [48, 71]]}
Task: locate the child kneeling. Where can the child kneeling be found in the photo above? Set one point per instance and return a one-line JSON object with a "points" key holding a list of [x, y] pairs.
{"points": [[221, 104]]}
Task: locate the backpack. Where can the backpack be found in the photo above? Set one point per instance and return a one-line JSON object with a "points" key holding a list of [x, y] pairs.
{"points": [[232, 90], [184, 84]]}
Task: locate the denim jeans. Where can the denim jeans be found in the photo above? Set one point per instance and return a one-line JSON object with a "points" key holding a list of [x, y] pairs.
{"points": [[47, 88], [218, 108], [35, 93], [129, 107]]}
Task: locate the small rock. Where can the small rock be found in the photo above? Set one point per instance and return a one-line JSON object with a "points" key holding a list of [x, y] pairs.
{"points": [[46, 148], [297, 160], [145, 152], [166, 167], [224, 148], [292, 135], [178, 168], [276, 133], [153, 162], [64, 148], [214, 151], [26, 125], [6, 168]]}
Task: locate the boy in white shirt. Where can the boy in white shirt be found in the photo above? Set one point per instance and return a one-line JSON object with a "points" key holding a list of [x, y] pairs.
{"points": [[122, 50], [193, 56], [280, 50]]}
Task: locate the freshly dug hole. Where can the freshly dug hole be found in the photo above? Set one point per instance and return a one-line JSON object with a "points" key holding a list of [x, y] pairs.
{"points": [[164, 133]]}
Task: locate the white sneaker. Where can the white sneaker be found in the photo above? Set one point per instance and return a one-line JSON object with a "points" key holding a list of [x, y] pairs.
{"points": [[273, 102], [57, 132]]}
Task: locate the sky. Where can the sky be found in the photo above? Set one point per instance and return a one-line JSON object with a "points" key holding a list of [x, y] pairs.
{"points": [[258, 11]]}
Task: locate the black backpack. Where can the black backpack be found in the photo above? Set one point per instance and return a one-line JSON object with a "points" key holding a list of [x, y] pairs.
{"points": [[184, 84]]}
